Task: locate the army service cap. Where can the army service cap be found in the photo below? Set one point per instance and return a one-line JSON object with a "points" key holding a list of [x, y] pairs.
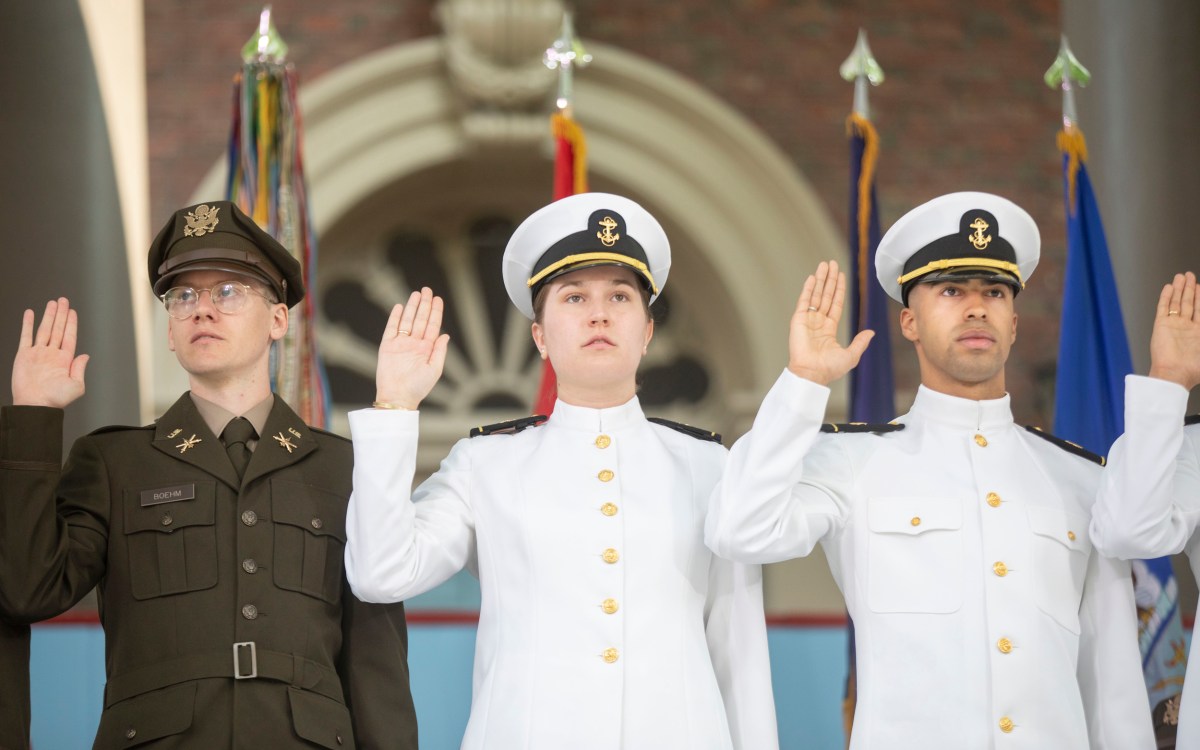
{"points": [[963, 236], [218, 236], [581, 231]]}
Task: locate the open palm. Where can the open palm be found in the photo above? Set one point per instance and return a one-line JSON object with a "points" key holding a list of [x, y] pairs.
{"points": [[412, 351], [813, 349], [46, 371]]}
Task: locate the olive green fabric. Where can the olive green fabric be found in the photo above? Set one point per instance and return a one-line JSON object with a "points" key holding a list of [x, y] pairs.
{"points": [[189, 561]]}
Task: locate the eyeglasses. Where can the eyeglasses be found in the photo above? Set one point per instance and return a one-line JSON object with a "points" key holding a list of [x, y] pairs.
{"points": [[228, 297]]}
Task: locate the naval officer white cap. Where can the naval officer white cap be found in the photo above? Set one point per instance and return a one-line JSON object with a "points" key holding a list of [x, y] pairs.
{"points": [[961, 235], [580, 231]]}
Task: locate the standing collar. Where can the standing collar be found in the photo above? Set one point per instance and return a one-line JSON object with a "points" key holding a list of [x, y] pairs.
{"points": [[587, 419], [966, 413]]}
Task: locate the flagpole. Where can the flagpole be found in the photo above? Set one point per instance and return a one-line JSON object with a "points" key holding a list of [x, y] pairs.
{"points": [[570, 156]]}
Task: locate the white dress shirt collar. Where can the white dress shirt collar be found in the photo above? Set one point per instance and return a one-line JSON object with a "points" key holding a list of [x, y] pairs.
{"points": [[586, 419], [965, 413]]}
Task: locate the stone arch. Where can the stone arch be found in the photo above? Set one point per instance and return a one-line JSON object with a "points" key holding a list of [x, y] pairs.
{"points": [[744, 224]]}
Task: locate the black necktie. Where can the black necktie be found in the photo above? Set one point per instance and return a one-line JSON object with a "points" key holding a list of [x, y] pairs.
{"points": [[235, 435]]}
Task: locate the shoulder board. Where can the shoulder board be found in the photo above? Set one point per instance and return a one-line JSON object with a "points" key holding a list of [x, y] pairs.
{"points": [[687, 429], [327, 433], [1193, 419], [511, 427], [120, 428], [862, 427], [1068, 446]]}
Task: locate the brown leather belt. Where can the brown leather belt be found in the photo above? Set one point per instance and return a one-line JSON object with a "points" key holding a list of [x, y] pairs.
{"points": [[247, 662]]}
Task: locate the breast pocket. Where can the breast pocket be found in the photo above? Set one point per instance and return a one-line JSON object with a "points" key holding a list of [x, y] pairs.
{"points": [[172, 546], [914, 554], [310, 539], [1060, 557]]}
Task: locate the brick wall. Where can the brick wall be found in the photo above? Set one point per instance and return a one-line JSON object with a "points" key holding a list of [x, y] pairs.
{"points": [[963, 106]]}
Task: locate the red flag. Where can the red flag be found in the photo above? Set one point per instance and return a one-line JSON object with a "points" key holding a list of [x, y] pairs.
{"points": [[570, 177]]}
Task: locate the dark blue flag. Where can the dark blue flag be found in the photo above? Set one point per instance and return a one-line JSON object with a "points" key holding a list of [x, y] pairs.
{"points": [[1089, 409], [872, 392]]}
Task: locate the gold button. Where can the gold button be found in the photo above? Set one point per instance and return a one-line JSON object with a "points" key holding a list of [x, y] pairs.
{"points": [[610, 556], [1000, 569], [605, 476], [916, 521], [1006, 724], [993, 499], [250, 565], [1004, 645], [603, 441], [130, 733], [1071, 535], [317, 523], [609, 606], [250, 612], [608, 509], [610, 655], [167, 520], [981, 441], [249, 517]]}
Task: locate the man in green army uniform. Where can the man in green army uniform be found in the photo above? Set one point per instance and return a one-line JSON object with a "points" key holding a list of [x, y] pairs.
{"points": [[14, 686], [215, 535]]}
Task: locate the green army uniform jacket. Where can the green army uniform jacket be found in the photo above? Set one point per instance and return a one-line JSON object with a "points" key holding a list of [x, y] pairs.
{"points": [[14, 686], [228, 620]]}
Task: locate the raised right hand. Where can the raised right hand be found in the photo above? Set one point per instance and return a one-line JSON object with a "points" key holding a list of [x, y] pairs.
{"points": [[1175, 341], [813, 349], [412, 352], [46, 371]]}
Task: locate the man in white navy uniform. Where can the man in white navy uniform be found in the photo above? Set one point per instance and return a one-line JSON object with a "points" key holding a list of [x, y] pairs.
{"points": [[605, 623], [983, 617], [1149, 502]]}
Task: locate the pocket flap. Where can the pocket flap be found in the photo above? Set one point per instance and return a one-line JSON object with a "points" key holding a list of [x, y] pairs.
{"points": [[167, 517], [316, 510], [913, 515], [1065, 527], [147, 717], [321, 720]]}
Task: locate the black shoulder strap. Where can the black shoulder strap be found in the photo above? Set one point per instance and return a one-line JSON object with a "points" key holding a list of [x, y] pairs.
{"points": [[119, 428], [511, 427], [861, 427], [1067, 445], [687, 429]]}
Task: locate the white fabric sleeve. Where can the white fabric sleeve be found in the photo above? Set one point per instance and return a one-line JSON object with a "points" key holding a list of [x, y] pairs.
{"points": [[400, 543], [736, 630], [769, 506], [1115, 701], [1139, 512]]}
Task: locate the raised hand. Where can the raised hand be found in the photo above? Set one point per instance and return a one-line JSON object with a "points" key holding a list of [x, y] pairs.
{"points": [[412, 352], [1175, 341], [46, 371], [813, 349]]}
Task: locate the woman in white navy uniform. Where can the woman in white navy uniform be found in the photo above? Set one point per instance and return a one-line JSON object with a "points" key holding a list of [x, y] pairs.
{"points": [[983, 618], [605, 622], [1149, 501]]}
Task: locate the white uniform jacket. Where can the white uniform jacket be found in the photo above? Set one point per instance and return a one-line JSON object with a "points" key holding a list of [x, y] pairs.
{"points": [[983, 618], [605, 621], [1149, 502]]}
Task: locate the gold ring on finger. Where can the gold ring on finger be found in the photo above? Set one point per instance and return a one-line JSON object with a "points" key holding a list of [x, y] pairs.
{"points": [[403, 332], [1172, 312]]}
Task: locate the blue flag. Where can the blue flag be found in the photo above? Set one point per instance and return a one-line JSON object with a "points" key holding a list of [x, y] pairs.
{"points": [[872, 393], [1089, 409]]}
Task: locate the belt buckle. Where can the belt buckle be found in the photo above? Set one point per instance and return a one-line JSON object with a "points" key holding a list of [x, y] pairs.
{"points": [[237, 664]]}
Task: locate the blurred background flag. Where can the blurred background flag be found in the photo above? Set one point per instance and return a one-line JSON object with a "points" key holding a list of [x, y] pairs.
{"points": [[266, 179], [872, 393], [570, 158], [1089, 397]]}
